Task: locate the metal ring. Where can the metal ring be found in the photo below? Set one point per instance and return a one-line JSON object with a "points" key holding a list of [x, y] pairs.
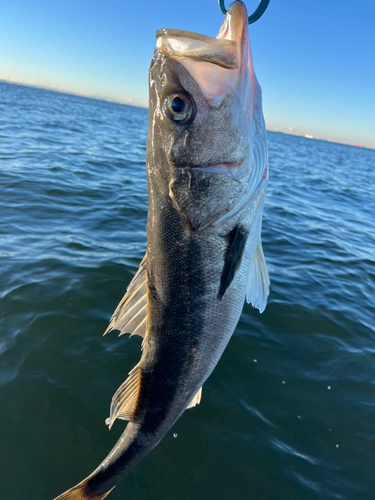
{"points": [[257, 14]]}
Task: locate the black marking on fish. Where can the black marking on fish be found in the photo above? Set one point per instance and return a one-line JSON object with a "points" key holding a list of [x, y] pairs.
{"points": [[236, 247]]}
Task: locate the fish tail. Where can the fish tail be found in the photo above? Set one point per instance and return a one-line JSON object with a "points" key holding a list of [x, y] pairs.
{"points": [[99, 484], [81, 492]]}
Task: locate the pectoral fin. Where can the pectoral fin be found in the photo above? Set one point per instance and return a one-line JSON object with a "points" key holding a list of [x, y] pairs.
{"points": [[258, 285], [233, 259]]}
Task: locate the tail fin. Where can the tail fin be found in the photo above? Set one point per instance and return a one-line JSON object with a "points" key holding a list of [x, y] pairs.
{"points": [[78, 493]]}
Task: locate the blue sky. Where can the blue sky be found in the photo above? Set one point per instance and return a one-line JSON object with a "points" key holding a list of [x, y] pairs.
{"points": [[315, 60]]}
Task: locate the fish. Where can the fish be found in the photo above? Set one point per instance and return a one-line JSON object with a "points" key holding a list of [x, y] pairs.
{"points": [[207, 176]]}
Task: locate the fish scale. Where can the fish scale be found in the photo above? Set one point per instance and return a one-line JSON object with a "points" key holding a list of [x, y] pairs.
{"points": [[206, 164]]}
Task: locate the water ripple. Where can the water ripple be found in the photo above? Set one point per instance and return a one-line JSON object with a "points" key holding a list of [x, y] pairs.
{"points": [[289, 412]]}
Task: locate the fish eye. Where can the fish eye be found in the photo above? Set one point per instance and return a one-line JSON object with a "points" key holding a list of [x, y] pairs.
{"points": [[179, 107]]}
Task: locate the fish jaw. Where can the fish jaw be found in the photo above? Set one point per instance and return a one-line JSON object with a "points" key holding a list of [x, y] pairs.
{"points": [[217, 135], [215, 78], [186, 44], [225, 142], [233, 169]]}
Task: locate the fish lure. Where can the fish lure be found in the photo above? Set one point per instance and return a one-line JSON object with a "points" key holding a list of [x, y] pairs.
{"points": [[207, 177]]}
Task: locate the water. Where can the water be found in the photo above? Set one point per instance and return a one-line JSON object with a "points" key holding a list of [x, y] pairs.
{"points": [[288, 414]]}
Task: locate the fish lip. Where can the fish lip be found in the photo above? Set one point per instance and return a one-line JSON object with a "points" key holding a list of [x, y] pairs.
{"points": [[223, 164], [229, 164], [233, 169]]}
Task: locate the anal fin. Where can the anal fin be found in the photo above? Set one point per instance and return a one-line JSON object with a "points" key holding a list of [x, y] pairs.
{"points": [[196, 399]]}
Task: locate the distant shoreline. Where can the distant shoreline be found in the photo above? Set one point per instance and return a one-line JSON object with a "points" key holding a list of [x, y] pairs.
{"points": [[104, 99], [67, 92]]}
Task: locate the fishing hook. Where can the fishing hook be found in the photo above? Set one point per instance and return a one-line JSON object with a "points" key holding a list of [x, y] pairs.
{"points": [[257, 14]]}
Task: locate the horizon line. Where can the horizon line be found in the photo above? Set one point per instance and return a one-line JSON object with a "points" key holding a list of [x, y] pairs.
{"points": [[129, 102]]}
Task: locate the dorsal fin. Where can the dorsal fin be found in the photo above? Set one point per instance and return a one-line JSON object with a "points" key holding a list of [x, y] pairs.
{"points": [[131, 313], [124, 400]]}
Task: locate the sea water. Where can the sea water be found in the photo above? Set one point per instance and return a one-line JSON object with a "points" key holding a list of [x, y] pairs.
{"points": [[289, 412]]}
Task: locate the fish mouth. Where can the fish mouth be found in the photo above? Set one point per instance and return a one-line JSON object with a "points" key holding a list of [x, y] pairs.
{"points": [[224, 50], [235, 23], [218, 65], [233, 169], [182, 45]]}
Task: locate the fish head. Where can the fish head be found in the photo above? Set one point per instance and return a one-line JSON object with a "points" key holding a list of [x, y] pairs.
{"points": [[205, 121]]}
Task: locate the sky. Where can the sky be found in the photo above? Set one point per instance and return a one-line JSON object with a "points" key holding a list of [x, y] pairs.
{"points": [[315, 60]]}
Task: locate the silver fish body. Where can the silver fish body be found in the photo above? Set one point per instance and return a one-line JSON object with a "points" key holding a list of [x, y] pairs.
{"points": [[207, 177]]}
